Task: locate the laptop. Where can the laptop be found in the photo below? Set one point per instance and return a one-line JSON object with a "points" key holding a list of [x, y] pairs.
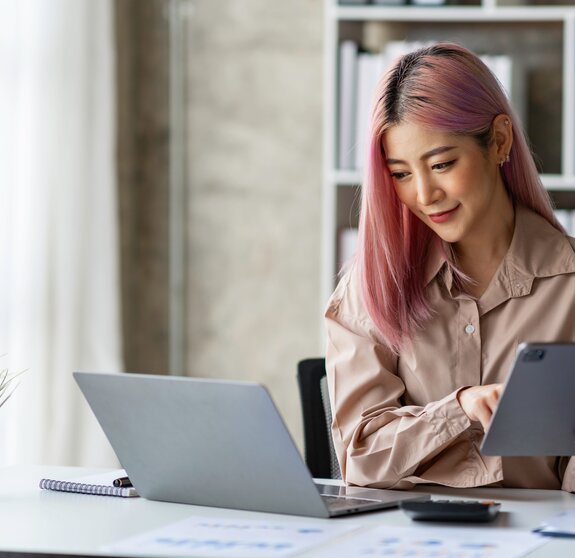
{"points": [[536, 411], [215, 443]]}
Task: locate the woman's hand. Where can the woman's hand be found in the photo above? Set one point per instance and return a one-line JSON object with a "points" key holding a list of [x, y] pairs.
{"points": [[479, 402]]}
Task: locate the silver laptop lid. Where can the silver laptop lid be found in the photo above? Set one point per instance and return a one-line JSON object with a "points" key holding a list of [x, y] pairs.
{"points": [[204, 442], [214, 443]]}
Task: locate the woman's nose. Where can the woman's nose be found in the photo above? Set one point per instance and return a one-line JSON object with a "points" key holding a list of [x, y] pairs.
{"points": [[427, 191]]}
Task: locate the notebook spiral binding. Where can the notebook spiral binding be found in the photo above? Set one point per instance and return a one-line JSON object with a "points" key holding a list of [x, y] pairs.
{"points": [[82, 488]]}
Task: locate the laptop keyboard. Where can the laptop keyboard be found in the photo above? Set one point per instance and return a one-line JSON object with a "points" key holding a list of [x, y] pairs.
{"points": [[344, 502]]}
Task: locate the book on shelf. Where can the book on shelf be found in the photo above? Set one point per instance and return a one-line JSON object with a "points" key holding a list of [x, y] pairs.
{"points": [[347, 102], [100, 484], [428, 2], [369, 69], [390, 2]]}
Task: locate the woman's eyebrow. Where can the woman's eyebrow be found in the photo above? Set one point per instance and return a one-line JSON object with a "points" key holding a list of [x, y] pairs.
{"points": [[426, 155]]}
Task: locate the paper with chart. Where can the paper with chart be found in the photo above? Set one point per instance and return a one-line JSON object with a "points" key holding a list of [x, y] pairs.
{"points": [[562, 524], [231, 538], [425, 541]]}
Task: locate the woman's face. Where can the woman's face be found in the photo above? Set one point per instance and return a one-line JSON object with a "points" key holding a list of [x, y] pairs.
{"points": [[448, 181]]}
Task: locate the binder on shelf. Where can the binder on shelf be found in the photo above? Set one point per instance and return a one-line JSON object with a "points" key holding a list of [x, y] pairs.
{"points": [[370, 67], [101, 484], [428, 2], [347, 81]]}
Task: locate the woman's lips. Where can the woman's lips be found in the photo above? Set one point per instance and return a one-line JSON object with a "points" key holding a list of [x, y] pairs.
{"points": [[443, 216]]}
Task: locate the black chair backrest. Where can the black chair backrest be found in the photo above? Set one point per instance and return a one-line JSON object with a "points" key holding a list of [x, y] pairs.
{"points": [[319, 453]]}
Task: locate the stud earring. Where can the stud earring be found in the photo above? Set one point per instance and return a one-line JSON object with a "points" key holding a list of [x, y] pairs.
{"points": [[503, 161]]}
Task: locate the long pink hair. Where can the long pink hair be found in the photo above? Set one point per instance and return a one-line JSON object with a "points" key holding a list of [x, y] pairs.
{"points": [[445, 87]]}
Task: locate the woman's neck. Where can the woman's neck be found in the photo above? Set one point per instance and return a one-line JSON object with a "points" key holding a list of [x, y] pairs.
{"points": [[480, 257]]}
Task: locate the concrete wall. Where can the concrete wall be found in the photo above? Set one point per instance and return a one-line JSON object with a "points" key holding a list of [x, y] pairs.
{"points": [[255, 144], [143, 127]]}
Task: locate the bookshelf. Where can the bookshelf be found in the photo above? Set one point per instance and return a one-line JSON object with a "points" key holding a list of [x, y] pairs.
{"points": [[537, 36]]}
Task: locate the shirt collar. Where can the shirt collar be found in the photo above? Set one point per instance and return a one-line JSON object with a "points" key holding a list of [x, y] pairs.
{"points": [[436, 260], [538, 249]]}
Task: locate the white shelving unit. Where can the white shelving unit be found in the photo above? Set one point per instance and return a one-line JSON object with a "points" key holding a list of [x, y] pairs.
{"points": [[541, 35]]}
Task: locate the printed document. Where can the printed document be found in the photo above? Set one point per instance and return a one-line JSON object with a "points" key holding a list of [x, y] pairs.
{"points": [[426, 541], [233, 538]]}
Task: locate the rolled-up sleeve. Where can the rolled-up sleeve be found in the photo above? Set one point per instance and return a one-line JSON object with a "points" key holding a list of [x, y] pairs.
{"points": [[378, 441]]}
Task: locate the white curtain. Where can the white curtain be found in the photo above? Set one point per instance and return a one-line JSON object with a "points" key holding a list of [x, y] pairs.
{"points": [[59, 284]]}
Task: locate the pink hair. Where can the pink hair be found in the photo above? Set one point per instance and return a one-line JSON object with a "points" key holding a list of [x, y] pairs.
{"points": [[444, 87]]}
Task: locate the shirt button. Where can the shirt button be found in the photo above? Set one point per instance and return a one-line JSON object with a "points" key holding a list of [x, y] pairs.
{"points": [[469, 329]]}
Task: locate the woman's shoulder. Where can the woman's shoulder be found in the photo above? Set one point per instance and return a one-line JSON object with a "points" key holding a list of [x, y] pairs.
{"points": [[347, 288], [539, 248], [346, 309], [346, 302], [347, 313]]}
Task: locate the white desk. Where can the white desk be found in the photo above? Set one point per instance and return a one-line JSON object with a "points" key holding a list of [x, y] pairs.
{"points": [[42, 521]]}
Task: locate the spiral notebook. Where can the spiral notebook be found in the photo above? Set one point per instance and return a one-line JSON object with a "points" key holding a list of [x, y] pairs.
{"points": [[101, 484]]}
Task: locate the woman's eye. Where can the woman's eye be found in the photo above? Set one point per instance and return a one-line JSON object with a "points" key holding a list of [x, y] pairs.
{"points": [[398, 175], [442, 166]]}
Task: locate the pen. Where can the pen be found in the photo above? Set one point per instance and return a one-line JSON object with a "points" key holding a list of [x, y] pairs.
{"points": [[122, 481]]}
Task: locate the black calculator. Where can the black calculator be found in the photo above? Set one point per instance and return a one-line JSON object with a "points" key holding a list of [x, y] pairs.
{"points": [[452, 510]]}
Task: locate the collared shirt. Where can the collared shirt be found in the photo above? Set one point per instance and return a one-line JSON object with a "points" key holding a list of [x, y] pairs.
{"points": [[396, 419]]}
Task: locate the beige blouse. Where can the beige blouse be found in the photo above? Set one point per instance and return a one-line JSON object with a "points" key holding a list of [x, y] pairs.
{"points": [[396, 420]]}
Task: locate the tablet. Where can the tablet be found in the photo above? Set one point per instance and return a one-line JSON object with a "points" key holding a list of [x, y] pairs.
{"points": [[536, 412]]}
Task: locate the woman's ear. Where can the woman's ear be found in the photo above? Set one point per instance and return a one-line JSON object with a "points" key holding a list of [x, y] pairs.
{"points": [[502, 128]]}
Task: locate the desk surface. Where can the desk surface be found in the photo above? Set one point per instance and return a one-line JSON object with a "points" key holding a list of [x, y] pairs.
{"points": [[42, 521]]}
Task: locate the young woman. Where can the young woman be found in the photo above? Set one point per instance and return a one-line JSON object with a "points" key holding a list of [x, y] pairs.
{"points": [[460, 259]]}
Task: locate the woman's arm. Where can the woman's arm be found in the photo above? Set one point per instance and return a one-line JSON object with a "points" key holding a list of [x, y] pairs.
{"points": [[379, 441]]}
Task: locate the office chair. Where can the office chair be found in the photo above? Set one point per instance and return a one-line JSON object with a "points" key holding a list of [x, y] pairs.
{"points": [[316, 411]]}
